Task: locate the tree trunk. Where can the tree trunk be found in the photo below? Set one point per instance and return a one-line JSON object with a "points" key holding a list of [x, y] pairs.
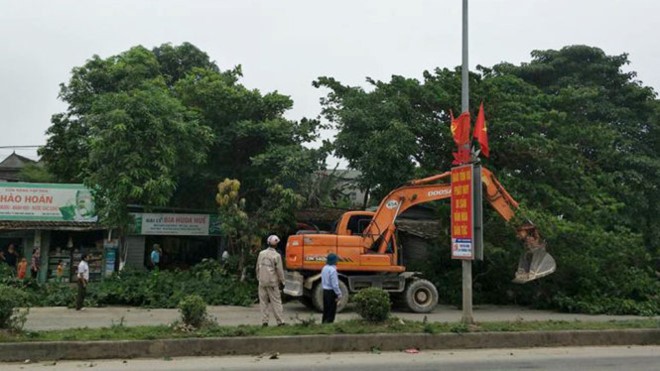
{"points": [[366, 198]]}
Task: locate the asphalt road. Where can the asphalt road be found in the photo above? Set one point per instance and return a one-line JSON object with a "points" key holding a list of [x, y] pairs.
{"points": [[587, 358], [52, 318]]}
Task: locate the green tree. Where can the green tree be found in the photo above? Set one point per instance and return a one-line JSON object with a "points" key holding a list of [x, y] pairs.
{"points": [[162, 126], [124, 134], [235, 223], [36, 173], [573, 136], [243, 230], [141, 142], [254, 142], [326, 189]]}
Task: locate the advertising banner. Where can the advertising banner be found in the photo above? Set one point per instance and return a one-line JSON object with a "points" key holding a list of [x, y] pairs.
{"points": [[110, 256], [164, 224], [462, 223], [46, 202]]}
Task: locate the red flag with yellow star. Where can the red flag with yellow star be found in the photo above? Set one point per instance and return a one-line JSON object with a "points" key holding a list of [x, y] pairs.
{"points": [[481, 131], [460, 129]]}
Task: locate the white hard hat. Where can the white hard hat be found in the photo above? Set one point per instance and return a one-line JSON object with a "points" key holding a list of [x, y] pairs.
{"points": [[273, 240]]}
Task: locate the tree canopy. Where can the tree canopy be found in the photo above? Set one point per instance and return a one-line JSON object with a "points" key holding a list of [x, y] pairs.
{"points": [[163, 126], [571, 134]]}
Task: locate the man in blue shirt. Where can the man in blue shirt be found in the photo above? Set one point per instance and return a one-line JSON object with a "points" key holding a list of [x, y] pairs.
{"points": [[331, 291], [155, 256]]}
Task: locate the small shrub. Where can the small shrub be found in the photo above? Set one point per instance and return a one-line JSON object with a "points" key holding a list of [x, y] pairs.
{"points": [[11, 299], [459, 328], [373, 304], [193, 311]]}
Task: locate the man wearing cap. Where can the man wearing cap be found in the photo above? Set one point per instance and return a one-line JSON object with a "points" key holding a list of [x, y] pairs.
{"points": [[270, 274], [331, 291]]}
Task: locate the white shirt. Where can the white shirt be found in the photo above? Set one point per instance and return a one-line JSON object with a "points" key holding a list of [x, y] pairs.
{"points": [[330, 279], [83, 270]]}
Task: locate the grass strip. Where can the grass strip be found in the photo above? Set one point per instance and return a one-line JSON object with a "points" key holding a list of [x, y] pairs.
{"points": [[309, 327]]}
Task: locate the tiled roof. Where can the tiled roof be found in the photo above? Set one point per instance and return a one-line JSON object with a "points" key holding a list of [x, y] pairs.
{"points": [[15, 161]]}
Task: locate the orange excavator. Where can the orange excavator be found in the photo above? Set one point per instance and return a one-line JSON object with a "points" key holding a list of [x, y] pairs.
{"points": [[370, 256]]}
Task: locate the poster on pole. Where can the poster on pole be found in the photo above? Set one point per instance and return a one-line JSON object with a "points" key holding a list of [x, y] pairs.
{"points": [[110, 256], [462, 213]]}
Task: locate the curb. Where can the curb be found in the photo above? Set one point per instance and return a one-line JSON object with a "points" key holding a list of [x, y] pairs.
{"points": [[78, 350]]}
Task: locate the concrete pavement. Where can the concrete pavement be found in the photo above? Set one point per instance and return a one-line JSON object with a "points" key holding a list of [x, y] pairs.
{"points": [[54, 318], [578, 358]]}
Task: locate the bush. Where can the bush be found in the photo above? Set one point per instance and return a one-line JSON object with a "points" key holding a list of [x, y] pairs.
{"points": [[215, 283], [165, 289], [373, 304], [56, 295], [11, 299], [193, 310]]}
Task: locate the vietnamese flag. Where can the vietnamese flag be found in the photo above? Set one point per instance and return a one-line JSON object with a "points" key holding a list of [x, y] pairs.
{"points": [[481, 131], [460, 129]]}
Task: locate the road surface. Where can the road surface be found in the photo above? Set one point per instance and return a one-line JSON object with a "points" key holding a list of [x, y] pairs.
{"points": [[589, 358], [53, 318]]}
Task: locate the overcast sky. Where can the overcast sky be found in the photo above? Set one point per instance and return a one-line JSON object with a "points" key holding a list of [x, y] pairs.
{"points": [[285, 44]]}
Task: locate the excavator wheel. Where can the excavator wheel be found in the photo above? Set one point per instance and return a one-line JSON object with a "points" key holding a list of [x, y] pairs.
{"points": [[421, 296], [307, 302], [317, 296]]}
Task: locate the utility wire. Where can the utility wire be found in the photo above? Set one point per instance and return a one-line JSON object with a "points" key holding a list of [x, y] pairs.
{"points": [[10, 147]]}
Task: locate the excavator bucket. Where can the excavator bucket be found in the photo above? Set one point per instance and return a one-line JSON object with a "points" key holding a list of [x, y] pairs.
{"points": [[534, 263]]}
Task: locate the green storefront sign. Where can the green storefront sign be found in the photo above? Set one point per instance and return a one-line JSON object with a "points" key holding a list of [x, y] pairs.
{"points": [[165, 224], [46, 202]]}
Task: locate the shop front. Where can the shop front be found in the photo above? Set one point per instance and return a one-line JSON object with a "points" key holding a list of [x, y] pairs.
{"points": [[60, 222], [184, 239]]}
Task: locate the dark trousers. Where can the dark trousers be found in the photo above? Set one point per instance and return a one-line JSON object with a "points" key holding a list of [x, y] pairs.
{"points": [[80, 299], [329, 306], [34, 274]]}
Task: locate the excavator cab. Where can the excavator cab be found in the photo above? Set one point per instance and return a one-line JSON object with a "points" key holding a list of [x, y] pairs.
{"points": [[535, 262]]}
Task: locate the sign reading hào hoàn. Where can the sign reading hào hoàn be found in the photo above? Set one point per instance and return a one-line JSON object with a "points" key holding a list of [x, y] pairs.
{"points": [[46, 202]]}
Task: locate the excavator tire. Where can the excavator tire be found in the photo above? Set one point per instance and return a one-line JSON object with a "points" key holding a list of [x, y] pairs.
{"points": [[317, 296], [307, 302], [421, 296]]}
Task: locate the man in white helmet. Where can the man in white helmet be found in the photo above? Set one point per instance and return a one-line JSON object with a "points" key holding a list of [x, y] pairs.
{"points": [[270, 274]]}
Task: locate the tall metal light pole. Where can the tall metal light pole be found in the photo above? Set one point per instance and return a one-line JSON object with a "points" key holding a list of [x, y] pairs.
{"points": [[465, 103]]}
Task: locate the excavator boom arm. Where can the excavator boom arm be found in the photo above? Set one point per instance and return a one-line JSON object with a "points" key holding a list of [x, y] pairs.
{"points": [[534, 263]]}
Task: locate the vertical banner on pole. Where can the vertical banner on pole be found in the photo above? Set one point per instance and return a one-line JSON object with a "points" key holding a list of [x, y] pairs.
{"points": [[477, 200], [462, 212]]}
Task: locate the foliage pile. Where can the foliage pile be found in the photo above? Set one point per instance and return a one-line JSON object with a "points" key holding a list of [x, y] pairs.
{"points": [[210, 280], [572, 135], [372, 304], [164, 289]]}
